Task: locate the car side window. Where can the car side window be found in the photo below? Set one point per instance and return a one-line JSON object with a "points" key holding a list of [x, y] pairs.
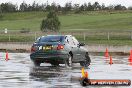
{"points": [[75, 41], [69, 40], [37, 40], [66, 40]]}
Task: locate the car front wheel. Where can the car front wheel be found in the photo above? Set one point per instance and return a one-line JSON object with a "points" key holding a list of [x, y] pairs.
{"points": [[87, 61], [37, 63]]}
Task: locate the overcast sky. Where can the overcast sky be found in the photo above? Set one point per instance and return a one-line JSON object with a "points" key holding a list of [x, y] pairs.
{"points": [[62, 2]]}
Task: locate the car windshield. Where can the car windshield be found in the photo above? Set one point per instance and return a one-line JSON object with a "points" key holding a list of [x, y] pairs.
{"points": [[52, 39]]}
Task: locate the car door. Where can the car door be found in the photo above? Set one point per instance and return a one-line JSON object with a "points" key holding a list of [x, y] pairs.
{"points": [[73, 47], [76, 45], [82, 51]]}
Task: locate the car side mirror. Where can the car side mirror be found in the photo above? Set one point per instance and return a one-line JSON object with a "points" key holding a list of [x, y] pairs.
{"points": [[81, 44]]}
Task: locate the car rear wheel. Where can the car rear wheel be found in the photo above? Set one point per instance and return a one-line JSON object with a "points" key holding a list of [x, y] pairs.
{"points": [[37, 63], [87, 61], [68, 62]]}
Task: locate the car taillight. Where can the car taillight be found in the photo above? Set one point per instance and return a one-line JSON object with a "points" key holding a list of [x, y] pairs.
{"points": [[60, 47], [33, 49]]}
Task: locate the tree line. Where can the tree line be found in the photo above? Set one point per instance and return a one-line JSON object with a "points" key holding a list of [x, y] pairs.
{"points": [[24, 7]]}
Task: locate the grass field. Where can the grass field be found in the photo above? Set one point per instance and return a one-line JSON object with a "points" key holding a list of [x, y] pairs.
{"points": [[87, 20], [91, 23]]}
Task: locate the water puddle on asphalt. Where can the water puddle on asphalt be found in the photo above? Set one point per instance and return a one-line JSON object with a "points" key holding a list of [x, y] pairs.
{"points": [[19, 72]]}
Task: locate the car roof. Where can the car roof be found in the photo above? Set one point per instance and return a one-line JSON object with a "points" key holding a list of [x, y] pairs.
{"points": [[59, 35]]}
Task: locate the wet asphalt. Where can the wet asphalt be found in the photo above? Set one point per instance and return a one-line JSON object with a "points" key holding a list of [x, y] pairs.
{"points": [[19, 72]]}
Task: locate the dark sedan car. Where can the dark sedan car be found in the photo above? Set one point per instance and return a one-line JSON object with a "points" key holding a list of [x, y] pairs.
{"points": [[59, 49]]}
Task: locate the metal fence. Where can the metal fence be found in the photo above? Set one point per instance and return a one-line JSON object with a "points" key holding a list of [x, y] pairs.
{"points": [[18, 36]]}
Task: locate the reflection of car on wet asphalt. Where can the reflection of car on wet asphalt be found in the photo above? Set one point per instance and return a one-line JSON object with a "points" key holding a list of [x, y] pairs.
{"points": [[59, 49]]}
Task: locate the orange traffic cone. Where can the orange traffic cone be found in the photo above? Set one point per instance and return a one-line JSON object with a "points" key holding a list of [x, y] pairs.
{"points": [[130, 62], [111, 62], [106, 53], [7, 56], [130, 57], [86, 74]]}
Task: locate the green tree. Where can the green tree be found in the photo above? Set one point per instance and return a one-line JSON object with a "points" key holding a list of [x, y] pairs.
{"points": [[1, 13], [130, 8], [119, 7], [90, 7], [51, 23], [96, 6], [67, 8], [103, 6], [8, 7]]}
